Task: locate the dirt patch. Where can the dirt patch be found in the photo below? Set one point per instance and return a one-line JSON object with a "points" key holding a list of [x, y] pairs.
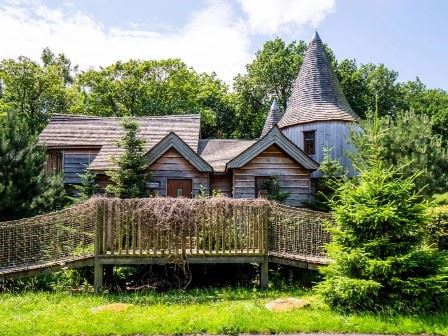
{"points": [[285, 305], [113, 307]]}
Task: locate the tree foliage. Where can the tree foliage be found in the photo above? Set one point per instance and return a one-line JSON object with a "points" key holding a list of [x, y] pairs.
{"points": [[87, 188], [25, 189], [409, 142], [153, 88], [380, 261], [332, 176], [33, 91], [271, 74], [130, 177]]}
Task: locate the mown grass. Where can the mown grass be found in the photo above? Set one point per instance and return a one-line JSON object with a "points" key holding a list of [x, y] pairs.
{"points": [[228, 311]]}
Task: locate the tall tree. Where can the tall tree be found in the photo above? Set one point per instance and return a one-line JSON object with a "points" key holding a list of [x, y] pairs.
{"points": [[35, 92], [155, 87], [380, 261], [411, 143], [369, 84], [271, 74], [129, 178], [25, 189]]}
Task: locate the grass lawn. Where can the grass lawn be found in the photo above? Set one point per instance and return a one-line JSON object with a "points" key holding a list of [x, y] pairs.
{"points": [[196, 311]]}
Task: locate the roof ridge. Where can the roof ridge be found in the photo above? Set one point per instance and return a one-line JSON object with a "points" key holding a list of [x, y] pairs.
{"points": [[83, 116]]}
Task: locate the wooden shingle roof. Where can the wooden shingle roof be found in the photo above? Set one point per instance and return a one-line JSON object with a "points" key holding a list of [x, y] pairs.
{"points": [[73, 131], [220, 151], [272, 119], [316, 94]]}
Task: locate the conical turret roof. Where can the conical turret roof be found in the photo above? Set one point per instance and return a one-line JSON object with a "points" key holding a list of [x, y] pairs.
{"points": [[273, 118], [316, 94]]}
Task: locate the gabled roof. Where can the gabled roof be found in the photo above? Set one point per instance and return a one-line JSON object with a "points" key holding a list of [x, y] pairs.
{"points": [[316, 94], [74, 131], [217, 152], [172, 141], [274, 137], [273, 117]]}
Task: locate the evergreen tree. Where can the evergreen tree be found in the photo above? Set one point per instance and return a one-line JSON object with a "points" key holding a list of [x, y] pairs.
{"points": [[87, 188], [25, 190], [380, 261], [332, 176], [130, 177], [409, 142]]}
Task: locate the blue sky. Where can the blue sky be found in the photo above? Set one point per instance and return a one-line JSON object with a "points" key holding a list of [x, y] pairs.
{"points": [[409, 36]]}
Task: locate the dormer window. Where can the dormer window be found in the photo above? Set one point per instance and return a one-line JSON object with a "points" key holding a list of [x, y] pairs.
{"points": [[309, 142]]}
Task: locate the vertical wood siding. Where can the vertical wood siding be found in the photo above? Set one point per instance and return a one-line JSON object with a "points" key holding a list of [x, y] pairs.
{"points": [[53, 163], [291, 176], [332, 134], [173, 165]]}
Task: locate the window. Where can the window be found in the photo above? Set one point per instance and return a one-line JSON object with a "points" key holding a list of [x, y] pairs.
{"points": [[261, 186], [309, 142]]}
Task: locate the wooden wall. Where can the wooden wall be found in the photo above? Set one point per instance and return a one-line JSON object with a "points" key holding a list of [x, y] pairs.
{"points": [[75, 162], [53, 163], [292, 177], [223, 183], [333, 134], [173, 165]]}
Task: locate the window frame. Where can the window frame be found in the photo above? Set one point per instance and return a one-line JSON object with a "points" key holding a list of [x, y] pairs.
{"points": [[257, 179], [305, 142]]}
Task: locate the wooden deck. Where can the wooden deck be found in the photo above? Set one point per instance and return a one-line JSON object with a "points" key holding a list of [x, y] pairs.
{"points": [[118, 232]]}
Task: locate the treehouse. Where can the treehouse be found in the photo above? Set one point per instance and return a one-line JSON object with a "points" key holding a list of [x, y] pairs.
{"points": [[184, 165]]}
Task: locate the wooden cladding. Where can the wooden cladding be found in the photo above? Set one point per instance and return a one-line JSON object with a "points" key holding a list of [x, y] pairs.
{"points": [[54, 162], [273, 162], [172, 165], [76, 163]]}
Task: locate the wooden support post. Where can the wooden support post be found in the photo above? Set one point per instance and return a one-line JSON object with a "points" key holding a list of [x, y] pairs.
{"points": [[98, 277], [99, 267], [264, 272]]}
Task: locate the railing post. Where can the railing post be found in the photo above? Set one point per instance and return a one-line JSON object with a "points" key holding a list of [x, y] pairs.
{"points": [[99, 267], [264, 272]]}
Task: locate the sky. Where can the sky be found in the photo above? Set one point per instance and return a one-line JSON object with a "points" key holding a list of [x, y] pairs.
{"points": [[409, 36]]}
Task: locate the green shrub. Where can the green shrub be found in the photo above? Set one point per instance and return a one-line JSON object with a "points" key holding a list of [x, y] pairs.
{"points": [[437, 233], [380, 259]]}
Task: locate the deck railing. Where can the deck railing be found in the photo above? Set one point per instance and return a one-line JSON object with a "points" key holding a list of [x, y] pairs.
{"points": [[181, 227], [138, 229]]}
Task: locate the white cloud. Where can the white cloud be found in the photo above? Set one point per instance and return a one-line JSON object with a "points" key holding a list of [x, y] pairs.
{"points": [[214, 39], [272, 16]]}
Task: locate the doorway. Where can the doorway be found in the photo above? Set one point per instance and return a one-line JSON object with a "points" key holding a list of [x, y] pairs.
{"points": [[179, 188]]}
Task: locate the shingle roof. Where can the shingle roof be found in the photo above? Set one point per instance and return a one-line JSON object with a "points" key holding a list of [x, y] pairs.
{"points": [[272, 119], [103, 132], [316, 93], [218, 152]]}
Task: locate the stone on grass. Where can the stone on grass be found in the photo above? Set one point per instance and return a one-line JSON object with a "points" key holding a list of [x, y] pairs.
{"points": [[113, 307], [285, 305]]}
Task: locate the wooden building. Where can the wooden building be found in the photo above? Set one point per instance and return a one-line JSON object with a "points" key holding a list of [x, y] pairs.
{"points": [[182, 164]]}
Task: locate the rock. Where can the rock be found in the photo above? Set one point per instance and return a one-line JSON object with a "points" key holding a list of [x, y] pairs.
{"points": [[113, 307], [285, 305]]}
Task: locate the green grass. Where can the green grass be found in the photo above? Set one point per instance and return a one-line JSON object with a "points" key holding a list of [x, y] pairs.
{"points": [[197, 311]]}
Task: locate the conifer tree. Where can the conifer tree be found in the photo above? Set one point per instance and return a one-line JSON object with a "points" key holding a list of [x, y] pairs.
{"points": [[25, 189], [333, 174], [87, 187], [130, 177], [380, 261]]}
